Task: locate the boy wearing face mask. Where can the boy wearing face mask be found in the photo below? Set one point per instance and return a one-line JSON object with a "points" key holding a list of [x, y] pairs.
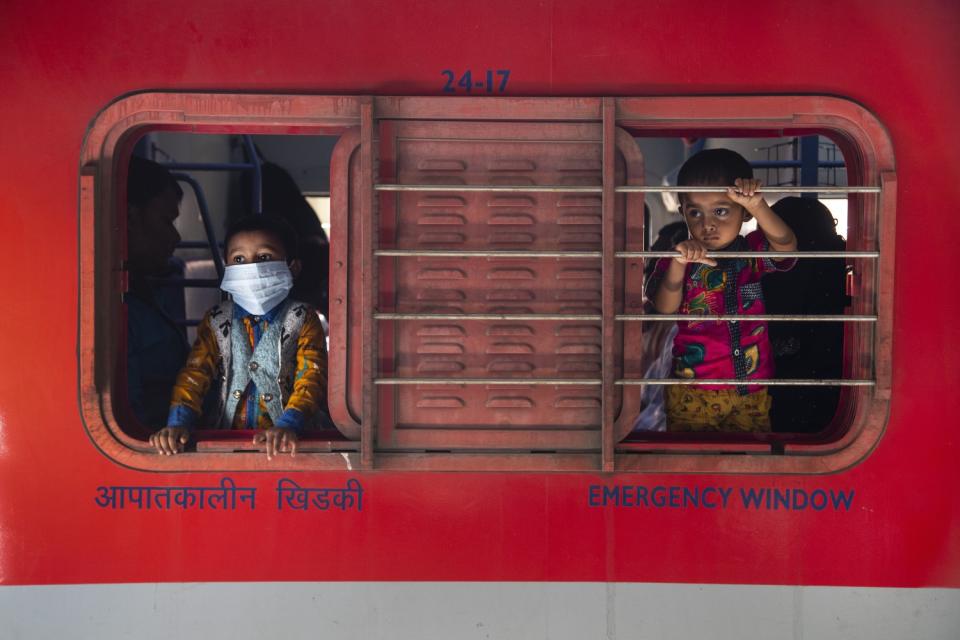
{"points": [[267, 350]]}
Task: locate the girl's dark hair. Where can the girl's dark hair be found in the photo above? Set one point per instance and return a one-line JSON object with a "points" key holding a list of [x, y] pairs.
{"points": [[713, 168], [146, 180], [267, 223]]}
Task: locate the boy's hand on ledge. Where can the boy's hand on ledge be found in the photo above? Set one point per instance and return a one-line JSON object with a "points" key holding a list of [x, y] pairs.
{"points": [[693, 251], [277, 440], [170, 440], [745, 194]]}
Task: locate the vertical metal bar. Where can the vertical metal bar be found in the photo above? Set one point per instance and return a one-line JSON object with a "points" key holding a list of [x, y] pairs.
{"points": [[608, 262], [368, 284], [809, 163]]}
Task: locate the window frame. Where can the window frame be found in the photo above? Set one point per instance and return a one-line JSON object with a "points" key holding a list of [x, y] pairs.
{"points": [[109, 144]]}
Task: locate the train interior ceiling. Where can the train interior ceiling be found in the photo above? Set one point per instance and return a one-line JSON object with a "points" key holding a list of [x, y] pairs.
{"points": [[226, 176]]}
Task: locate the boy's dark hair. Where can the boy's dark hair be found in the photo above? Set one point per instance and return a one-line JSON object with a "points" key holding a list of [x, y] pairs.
{"points": [[146, 180], [713, 168], [267, 223]]}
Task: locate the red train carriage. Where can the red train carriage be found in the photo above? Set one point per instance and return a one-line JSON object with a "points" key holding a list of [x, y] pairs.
{"points": [[495, 175]]}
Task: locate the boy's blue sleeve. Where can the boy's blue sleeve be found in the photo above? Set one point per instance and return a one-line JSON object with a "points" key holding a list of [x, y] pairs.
{"points": [[181, 416], [291, 419]]}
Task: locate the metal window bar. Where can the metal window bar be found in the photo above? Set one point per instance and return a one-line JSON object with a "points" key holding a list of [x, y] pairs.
{"points": [[468, 188], [809, 162], [779, 382], [653, 317], [580, 255], [756, 254], [663, 382], [256, 188], [767, 317], [795, 164]]}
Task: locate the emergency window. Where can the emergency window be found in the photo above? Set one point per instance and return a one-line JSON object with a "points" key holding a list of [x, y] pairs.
{"points": [[805, 181], [486, 297]]}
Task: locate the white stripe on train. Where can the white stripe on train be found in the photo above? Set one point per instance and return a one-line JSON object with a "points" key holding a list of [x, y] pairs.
{"points": [[481, 610]]}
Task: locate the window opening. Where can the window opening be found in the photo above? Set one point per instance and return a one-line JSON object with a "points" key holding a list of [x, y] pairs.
{"points": [[810, 187], [241, 181]]}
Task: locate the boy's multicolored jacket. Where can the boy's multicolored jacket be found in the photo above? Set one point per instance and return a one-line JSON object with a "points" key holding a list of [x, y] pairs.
{"points": [[272, 368]]}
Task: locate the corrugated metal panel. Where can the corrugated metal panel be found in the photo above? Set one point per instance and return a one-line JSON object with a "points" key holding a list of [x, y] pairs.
{"points": [[503, 153]]}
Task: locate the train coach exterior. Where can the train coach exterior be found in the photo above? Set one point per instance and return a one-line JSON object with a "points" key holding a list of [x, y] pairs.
{"points": [[557, 523]]}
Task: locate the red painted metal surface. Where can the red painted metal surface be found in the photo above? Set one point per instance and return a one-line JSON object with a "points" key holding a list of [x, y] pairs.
{"points": [[60, 73]]}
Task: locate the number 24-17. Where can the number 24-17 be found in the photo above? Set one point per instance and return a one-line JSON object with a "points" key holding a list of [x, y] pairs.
{"points": [[485, 82]]}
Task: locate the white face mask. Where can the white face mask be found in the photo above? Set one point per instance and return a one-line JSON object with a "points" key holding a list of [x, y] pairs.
{"points": [[258, 286]]}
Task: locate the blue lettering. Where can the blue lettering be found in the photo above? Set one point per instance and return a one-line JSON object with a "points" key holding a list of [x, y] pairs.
{"points": [[642, 496], [594, 496], [659, 499], [708, 491], [781, 497], [611, 494], [751, 497], [843, 497], [490, 83], [725, 495], [819, 493], [676, 497], [797, 504]]}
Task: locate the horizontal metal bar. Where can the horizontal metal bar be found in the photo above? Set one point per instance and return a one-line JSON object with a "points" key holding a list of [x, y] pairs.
{"points": [[464, 188], [755, 254], [762, 382], [795, 164], [208, 166], [489, 188], [486, 316], [439, 253], [691, 189], [444, 253], [497, 381], [630, 382], [672, 317]]}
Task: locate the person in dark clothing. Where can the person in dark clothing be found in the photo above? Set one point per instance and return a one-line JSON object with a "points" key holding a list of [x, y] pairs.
{"points": [[669, 236], [807, 350], [156, 345]]}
